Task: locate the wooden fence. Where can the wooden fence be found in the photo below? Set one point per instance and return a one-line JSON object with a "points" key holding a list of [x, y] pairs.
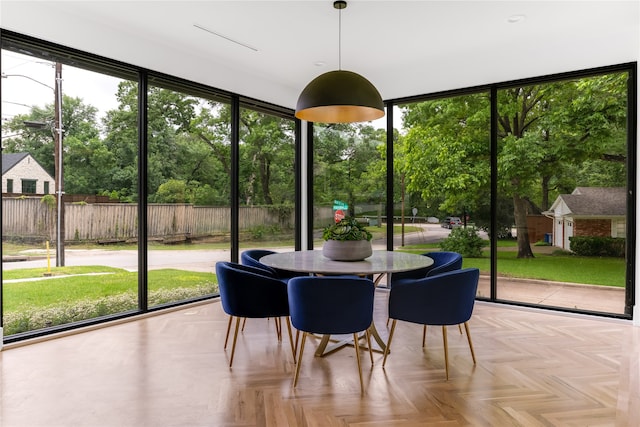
{"points": [[29, 218]]}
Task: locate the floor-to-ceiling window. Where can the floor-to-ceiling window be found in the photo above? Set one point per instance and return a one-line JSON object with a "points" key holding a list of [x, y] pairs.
{"points": [[188, 190], [563, 174], [69, 245], [266, 188], [349, 178], [442, 167], [531, 182], [161, 179]]}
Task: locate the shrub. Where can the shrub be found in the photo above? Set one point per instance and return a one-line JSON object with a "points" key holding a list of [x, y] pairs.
{"points": [[597, 246], [465, 241], [75, 311]]}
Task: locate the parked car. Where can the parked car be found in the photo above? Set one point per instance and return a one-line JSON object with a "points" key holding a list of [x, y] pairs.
{"points": [[451, 222]]}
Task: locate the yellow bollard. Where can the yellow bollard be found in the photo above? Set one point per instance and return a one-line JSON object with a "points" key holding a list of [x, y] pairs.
{"points": [[48, 273]]}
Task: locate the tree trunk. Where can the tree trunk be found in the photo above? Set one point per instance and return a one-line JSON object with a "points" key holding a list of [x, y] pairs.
{"points": [[545, 193], [520, 214], [265, 179]]}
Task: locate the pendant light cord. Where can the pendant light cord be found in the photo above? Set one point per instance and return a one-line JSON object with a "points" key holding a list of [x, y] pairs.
{"points": [[339, 39], [339, 4]]}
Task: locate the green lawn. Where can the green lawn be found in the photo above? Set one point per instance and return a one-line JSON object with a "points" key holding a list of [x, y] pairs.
{"points": [[557, 267], [27, 295]]}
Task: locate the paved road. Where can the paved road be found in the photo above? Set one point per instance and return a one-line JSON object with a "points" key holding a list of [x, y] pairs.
{"points": [[192, 259]]}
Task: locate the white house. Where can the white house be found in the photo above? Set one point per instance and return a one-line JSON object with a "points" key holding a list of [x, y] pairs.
{"points": [[589, 211], [22, 174]]}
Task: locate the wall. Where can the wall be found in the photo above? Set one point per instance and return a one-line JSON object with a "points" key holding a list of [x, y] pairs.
{"points": [[28, 168], [538, 226], [592, 227]]}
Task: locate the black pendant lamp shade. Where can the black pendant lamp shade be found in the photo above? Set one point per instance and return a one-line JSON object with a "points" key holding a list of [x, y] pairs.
{"points": [[339, 96]]}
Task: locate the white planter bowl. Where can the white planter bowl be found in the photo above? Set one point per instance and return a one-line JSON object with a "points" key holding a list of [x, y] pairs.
{"points": [[347, 250]]}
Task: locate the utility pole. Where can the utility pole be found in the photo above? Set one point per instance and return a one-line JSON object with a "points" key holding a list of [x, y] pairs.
{"points": [[58, 132], [60, 232]]}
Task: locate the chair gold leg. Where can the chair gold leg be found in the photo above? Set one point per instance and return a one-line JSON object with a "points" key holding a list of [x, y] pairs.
{"points": [[244, 322], [295, 377], [460, 328], [473, 354], [388, 346], [235, 339], [357, 347], [278, 323], [424, 335], [293, 348], [226, 339], [446, 351], [368, 335]]}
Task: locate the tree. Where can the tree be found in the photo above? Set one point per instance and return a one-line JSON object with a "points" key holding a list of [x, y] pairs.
{"points": [[446, 152], [267, 158], [347, 164], [549, 137], [547, 130], [87, 161]]}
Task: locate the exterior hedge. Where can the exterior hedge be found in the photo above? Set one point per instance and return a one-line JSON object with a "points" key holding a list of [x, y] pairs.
{"points": [[598, 246]]}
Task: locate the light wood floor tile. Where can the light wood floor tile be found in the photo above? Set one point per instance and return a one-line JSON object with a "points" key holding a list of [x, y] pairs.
{"points": [[534, 368]]}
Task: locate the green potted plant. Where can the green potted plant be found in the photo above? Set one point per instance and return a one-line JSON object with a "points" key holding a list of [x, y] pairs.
{"points": [[347, 240]]}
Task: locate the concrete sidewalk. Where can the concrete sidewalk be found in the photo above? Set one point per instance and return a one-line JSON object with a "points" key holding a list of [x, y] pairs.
{"points": [[606, 299]]}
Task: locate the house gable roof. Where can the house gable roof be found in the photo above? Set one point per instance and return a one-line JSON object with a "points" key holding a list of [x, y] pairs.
{"points": [[595, 201], [9, 160]]}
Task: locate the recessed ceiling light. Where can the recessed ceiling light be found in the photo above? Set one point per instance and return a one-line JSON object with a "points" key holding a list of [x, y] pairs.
{"points": [[515, 18], [319, 63]]}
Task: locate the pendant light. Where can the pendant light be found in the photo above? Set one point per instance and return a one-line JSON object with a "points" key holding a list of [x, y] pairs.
{"points": [[339, 96]]}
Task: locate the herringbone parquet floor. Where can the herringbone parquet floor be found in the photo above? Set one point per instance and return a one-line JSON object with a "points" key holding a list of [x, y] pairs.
{"points": [[535, 368]]}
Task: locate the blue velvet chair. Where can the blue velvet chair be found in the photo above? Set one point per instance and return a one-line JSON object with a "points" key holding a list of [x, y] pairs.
{"points": [[251, 257], [443, 299], [443, 261], [331, 305], [266, 271], [246, 292]]}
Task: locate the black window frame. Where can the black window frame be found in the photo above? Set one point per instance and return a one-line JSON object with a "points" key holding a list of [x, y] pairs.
{"points": [[29, 186]]}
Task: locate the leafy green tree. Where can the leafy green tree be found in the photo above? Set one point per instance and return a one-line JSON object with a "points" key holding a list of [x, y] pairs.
{"points": [[551, 138], [122, 142], [446, 152], [86, 159], [548, 130], [345, 156], [267, 159]]}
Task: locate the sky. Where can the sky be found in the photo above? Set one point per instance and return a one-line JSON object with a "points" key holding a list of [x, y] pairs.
{"points": [[30, 81]]}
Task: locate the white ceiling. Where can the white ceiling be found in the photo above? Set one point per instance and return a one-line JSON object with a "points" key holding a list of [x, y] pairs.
{"points": [[405, 48]]}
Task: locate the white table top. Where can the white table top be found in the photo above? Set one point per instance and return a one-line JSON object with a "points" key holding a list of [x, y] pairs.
{"points": [[315, 262]]}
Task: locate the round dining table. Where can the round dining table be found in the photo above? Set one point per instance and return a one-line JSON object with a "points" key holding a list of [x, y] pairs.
{"points": [[314, 262], [382, 263]]}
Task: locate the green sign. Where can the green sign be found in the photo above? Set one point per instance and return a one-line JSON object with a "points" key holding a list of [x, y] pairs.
{"points": [[337, 204]]}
